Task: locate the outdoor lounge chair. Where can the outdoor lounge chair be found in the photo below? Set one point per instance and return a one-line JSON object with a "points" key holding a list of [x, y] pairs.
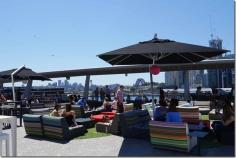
{"points": [[171, 135], [134, 124], [57, 127], [190, 114], [112, 127], [40, 111], [33, 124]]}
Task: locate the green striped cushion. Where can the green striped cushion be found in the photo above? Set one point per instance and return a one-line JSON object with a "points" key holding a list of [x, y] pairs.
{"points": [[169, 135], [32, 124], [53, 135], [55, 127], [170, 142]]}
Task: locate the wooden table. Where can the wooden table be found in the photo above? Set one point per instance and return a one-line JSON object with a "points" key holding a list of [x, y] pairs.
{"points": [[12, 121]]}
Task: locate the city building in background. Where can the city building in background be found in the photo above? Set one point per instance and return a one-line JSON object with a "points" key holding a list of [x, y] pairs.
{"points": [[223, 78], [213, 78]]}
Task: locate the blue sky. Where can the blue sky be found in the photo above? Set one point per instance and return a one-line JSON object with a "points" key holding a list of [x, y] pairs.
{"points": [[60, 34]]}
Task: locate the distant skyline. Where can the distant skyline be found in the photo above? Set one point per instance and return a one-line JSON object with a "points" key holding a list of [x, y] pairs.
{"points": [[61, 35]]}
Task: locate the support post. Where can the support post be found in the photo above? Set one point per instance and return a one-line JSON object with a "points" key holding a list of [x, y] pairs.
{"points": [[186, 85], [27, 92], [151, 81], [12, 81], [1, 85], [86, 87]]}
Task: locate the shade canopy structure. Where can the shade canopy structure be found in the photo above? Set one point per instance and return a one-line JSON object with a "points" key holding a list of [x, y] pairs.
{"points": [[160, 51]]}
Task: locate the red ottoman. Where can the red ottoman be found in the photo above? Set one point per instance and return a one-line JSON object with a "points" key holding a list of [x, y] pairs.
{"points": [[108, 113], [99, 118]]}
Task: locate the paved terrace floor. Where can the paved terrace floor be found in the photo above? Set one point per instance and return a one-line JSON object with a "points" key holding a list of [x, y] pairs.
{"points": [[103, 146]]}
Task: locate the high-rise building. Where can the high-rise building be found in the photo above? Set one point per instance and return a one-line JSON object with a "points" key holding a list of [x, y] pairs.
{"points": [[221, 78], [66, 83], [205, 78], [196, 78], [174, 78], [59, 83], [214, 78]]}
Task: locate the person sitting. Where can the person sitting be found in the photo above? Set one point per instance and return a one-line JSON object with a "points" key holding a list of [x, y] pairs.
{"points": [[226, 125], [138, 101], [71, 99], [2, 98], [172, 114], [76, 98], [114, 104], [69, 115], [34, 100], [162, 94], [82, 103], [160, 112], [107, 105], [128, 99], [199, 92], [56, 111]]}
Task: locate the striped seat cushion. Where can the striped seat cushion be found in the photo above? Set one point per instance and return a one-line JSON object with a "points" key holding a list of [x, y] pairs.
{"points": [[79, 112], [128, 107], [189, 114], [55, 127], [169, 135], [32, 124]]}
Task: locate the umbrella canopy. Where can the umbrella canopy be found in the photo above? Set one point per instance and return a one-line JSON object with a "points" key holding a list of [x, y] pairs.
{"points": [[160, 51], [23, 74]]}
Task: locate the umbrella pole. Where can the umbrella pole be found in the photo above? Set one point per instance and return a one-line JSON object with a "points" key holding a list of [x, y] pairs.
{"points": [[13, 88], [151, 79], [12, 81]]}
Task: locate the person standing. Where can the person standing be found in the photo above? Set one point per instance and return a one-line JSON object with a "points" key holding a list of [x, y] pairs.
{"points": [[108, 93], [120, 99], [96, 93], [102, 94], [162, 94]]}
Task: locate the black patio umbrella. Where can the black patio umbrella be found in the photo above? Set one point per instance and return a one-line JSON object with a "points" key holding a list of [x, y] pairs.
{"points": [[20, 74], [23, 74], [160, 51]]}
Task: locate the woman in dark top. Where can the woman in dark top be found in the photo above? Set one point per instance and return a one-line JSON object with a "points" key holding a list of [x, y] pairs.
{"points": [[161, 111], [227, 122], [69, 115], [162, 94]]}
